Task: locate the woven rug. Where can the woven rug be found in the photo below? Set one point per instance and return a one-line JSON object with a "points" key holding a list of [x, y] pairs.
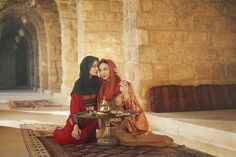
{"points": [[35, 104], [39, 142]]}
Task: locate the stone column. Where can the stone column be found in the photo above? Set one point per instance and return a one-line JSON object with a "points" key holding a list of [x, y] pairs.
{"points": [[43, 60], [132, 41], [80, 27], [36, 58], [36, 20], [68, 20], [53, 53]]}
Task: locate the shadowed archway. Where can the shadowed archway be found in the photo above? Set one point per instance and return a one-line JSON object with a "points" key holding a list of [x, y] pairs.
{"points": [[40, 42], [14, 54], [21, 64]]}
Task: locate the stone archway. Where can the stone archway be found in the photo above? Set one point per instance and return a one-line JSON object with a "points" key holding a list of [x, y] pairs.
{"points": [[40, 22], [69, 34], [22, 38], [14, 54]]}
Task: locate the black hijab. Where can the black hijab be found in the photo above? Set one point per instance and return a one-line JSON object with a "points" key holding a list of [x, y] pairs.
{"points": [[85, 85]]}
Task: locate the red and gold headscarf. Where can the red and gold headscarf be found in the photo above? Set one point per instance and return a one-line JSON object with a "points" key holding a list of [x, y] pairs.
{"points": [[111, 87]]}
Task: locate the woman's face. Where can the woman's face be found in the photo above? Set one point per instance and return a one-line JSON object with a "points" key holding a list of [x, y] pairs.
{"points": [[94, 69], [104, 71]]}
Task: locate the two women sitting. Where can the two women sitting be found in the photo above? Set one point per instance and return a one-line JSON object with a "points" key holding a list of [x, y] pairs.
{"points": [[88, 93]]}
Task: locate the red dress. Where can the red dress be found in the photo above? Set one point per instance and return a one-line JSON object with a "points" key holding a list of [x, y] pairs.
{"points": [[88, 132]]}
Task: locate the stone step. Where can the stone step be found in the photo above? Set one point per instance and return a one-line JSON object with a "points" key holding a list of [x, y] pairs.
{"points": [[217, 128], [200, 146]]}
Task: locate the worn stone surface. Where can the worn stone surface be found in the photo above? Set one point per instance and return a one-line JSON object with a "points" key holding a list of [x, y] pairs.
{"points": [[152, 42], [189, 42], [100, 29], [69, 54], [54, 55]]}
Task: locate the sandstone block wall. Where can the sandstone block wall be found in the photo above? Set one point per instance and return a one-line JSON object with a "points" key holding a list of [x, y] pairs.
{"points": [[153, 42], [69, 33], [185, 42], [100, 30]]}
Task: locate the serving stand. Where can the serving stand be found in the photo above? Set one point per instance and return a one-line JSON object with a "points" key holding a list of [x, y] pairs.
{"points": [[107, 139]]}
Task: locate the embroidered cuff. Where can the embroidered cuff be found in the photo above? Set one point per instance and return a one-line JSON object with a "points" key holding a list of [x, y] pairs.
{"points": [[78, 121]]}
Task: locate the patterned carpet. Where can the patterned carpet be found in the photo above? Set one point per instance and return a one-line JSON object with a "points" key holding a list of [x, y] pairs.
{"points": [[35, 104], [38, 140]]}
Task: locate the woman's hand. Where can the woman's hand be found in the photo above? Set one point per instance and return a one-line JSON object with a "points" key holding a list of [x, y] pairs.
{"points": [[76, 132]]}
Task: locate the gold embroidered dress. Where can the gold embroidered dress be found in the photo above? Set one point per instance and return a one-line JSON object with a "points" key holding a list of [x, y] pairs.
{"points": [[133, 130]]}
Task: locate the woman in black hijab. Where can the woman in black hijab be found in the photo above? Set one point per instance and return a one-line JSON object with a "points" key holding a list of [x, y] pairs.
{"points": [[83, 98]]}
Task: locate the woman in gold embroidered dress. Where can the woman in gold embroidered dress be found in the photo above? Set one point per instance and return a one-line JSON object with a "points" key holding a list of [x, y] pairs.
{"points": [[133, 130]]}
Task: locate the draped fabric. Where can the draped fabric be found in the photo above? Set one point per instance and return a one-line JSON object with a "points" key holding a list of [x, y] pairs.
{"points": [[111, 87], [134, 129], [84, 94], [63, 136], [85, 85], [90, 100], [136, 123], [89, 86]]}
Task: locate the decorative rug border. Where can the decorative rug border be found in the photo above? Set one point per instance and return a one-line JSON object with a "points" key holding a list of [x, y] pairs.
{"points": [[30, 134]]}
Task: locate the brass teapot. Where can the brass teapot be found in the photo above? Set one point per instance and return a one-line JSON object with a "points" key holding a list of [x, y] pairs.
{"points": [[105, 107]]}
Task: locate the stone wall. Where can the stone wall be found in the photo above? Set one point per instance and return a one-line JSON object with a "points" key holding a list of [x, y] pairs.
{"points": [[153, 42], [49, 11], [100, 30], [43, 63], [185, 42], [68, 21], [132, 42]]}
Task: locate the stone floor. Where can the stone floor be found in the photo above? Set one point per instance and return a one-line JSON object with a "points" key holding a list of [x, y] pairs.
{"points": [[11, 140], [212, 131], [10, 136]]}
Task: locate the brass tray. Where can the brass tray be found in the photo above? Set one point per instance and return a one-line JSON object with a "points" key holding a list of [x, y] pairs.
{"points": [[105, 115]]}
